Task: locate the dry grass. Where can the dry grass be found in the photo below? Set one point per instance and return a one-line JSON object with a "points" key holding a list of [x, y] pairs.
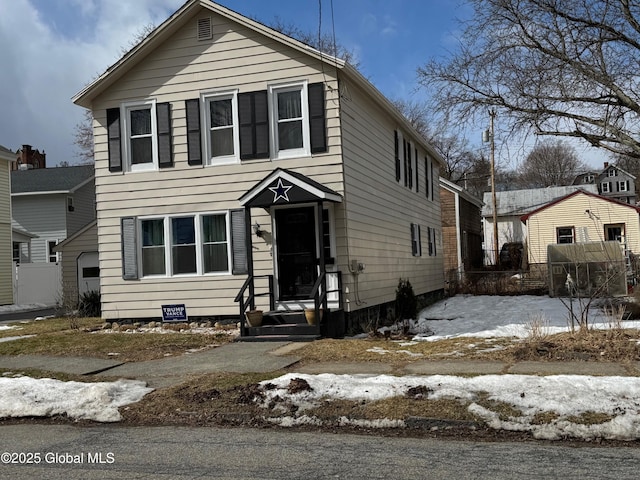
{"points": [[56, 337]]}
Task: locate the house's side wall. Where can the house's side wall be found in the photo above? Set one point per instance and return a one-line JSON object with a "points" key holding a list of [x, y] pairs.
{"points": [[510, 229], [449, 229], [42, 215], [6, 252], [84, 208], [86, 241], [586, 214], [470, 234], [181, 69], [380, 210]]}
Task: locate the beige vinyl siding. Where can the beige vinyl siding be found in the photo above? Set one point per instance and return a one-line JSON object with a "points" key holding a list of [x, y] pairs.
{"points": [[183, 68], [571, 212], [86, 240], [380, 210], [6, 252]]}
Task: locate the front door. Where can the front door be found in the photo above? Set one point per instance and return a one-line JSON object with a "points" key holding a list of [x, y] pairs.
{"points": [[297, 262]]}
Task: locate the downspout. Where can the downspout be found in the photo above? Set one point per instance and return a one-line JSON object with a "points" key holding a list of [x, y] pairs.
{"points": [[458, 236]]}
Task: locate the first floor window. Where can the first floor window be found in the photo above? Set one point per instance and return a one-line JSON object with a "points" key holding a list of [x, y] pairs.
{"points": [[53, 256], [16, 252], [416, 244], [183, 245], [215, 251], [153, 258], [197, 244], [565, 235]]}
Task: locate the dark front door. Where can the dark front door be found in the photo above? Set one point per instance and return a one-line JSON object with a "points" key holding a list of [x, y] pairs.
{"points": [[297, 260]]}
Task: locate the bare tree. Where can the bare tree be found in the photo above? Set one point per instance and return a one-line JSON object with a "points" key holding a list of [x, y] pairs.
{"points": [[553, 163], [83, 131], [83, 138], [556, 68], [323, 42]]}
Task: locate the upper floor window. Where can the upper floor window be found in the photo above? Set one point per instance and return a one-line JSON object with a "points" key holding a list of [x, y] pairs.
{"points": [[588, 178], [140, 147], [221, 124], [612, 172], [290, 120], [622, 186], [606, 187]]}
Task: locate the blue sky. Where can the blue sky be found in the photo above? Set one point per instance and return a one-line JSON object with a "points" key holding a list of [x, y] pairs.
{"points": [[50, 49]]}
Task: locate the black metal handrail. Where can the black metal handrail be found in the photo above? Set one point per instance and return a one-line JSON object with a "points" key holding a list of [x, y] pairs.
{"points": [[251, 298], [320, 298]]}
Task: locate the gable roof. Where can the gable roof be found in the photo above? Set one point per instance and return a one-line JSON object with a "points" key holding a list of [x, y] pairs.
{"points": [[610, 167], [181, 16], [519, 202], [299, 188], [525, 217], [50, 180]]}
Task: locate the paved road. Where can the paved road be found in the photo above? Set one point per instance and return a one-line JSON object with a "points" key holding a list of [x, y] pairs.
{"points": [[113, 452], [27, 315]]}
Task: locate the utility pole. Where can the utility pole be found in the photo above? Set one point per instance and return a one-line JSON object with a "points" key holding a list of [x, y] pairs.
{"points": [[489, 136]]}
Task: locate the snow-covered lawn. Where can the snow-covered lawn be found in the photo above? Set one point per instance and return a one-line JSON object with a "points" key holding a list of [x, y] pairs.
{"points": [[485, 316]]}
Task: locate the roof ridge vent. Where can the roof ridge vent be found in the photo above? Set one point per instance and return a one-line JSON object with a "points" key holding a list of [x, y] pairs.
{"points": [[205, 31]]}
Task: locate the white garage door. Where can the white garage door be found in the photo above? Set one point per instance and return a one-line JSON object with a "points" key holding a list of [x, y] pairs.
{"points": [[88, 272]]}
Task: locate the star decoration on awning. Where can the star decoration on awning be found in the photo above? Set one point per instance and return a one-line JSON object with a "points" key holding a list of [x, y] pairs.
{"points": [[280, 191]]}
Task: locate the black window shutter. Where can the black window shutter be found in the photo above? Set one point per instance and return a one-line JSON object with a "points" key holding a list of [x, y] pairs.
{"points": [[397, 154], [238, 243], [113, 138], [414, 250], [426, 175], [405, 149], [165, 153], [432, 180], [317, 122], [417, 170], [253, 114], [129, 248], [410, 163], [194, 145]]}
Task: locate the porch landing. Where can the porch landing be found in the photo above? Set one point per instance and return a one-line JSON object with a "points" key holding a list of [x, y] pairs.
{"points": [[290, 326]]}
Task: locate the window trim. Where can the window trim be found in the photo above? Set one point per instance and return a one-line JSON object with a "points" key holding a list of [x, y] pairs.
{"points": [[622, 186], [416, 240], [206, 98], [558, 236], [273, 92], [168, 244], [125, 110]]}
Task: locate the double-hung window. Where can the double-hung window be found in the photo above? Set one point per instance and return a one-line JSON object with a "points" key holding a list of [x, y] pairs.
{"points": [[215, 248], [290, 120], [221, 123], [140, 146], [153, 257], [565, 235]]}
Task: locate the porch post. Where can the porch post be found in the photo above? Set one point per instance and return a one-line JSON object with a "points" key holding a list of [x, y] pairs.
{"points": [[321, 259], [249, 247]]}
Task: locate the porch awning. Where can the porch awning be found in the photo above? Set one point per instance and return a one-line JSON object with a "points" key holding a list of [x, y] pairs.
{"points": [[285, 187]]}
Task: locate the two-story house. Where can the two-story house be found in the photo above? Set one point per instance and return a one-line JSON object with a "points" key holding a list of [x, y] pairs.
{"points": [[612, 182], [233, 161]]}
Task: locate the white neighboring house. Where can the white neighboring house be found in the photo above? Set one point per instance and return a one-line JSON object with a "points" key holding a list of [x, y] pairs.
{"points": [[6, 266], [514, 204]]}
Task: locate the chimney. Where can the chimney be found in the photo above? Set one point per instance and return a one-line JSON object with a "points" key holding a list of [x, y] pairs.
{"points": [[606, 164]]}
